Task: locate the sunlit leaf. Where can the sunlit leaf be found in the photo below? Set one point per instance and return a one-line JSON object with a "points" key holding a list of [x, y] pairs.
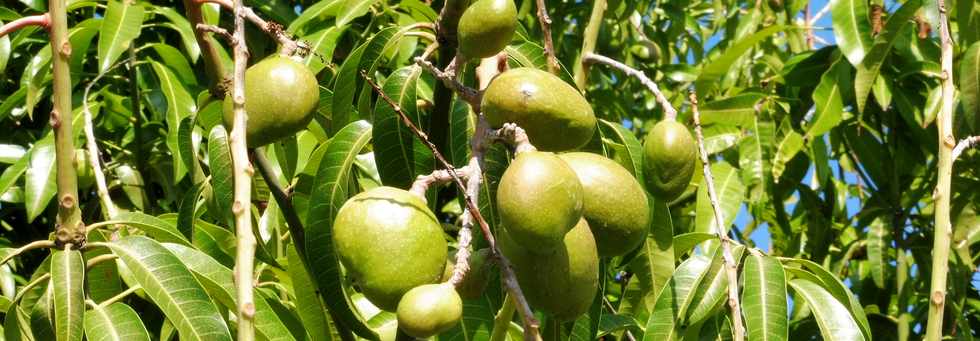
{"points": [[115, 322], [120, 25]]}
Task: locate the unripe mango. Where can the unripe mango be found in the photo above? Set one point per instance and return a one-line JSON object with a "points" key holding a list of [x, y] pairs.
{"points": [[553, 113], [669, 159], [539, 199], [486, 27], [390, 242], [429, 309], [281, 96], [614, 203], [561, 283]]}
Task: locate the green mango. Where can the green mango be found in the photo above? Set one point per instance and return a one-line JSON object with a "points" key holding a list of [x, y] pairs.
{"points": [[539, 199], [561, 283], [669, 159], [281, 96], [390, 242], [553, 113], [614, 203], [429, 309], [486, 27]]}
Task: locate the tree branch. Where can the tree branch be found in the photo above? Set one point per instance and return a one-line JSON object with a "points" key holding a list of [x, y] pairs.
{"points": [[241, 207], [43, 20], [69, 226], [549, 45], [669, 112], [531, 325], [93, 150], [213, 66], [281, 196], [943, 229], [436, 178], [963, 145], [287, 45], [448, 78], [731, 266], [591, 34], [227, 36]]}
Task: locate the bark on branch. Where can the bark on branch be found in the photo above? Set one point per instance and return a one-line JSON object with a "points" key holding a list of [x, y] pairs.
{"points": [[669, 112], [43, 20]]}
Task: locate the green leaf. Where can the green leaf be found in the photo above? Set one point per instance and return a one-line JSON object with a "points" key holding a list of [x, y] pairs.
{"points": [[633, 160], [68, 281], [309, 307], [739, 110], [791, 144], [320, 11], [120, 25], [328, 195], [731, 193], [665, 320], [870, 67], [612, 323], [183, 27], [179, 105], [400, 156], [218, 282], [16, 326], [970, 82], [348, 78], [169, 284], [102, 280], [715, 70], [115, 322], [879, 242], [12, 173], [828, 100], [833, 318], [176, 60], [764, 298], [322, 44], [851, 28], [476, 323], [4, 51], [653, 264], [710, 294], [222, 177], [39, 182], [161, 230], [687, 241], [836, 288], [187, 211], [353, 9]]}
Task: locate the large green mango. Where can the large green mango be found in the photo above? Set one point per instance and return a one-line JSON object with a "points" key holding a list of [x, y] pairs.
{"points": [[390, 242], [669, 159], [281, 96], [561, 283], [539, 199], [614, 203], [553, 113], [429, 309], [486, 27]]}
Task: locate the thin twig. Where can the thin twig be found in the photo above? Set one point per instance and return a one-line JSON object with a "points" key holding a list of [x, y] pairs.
{"points": [[589, 38], [809, 25], [209, 52], [241, 207], [549, 45], [424, 35], [731, 266], [120, 296], [965, 144], [43, 20], [436, 178], [39, 244], [281, 194], [531, 325], [287, 45], [943, 229], [227, 36], [93, 150], [468, 94], [669, 112]]}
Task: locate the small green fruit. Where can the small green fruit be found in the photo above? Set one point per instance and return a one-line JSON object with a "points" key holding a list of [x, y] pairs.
{"points": [[83, 169], [486, 27], [539, 199], [281, 96], [390, 242], [562, 283], [669, 159], [615, 204], [429, 309], [553, 113]]}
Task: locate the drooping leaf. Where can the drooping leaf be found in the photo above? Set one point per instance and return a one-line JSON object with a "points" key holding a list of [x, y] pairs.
{"points": [[851, 28], [353, 9], [115, 322], [327, 196], [834, 319], [731, 193], [169, 284], [161, 230], [715, 70], [870, 67], [39, 182], [878, 244], [183, 27], [970, 82], [68, 281], [322, 44], [653, 264], [738, 110], [791, 144], [828, 100], [120, 25], [309, 307], [348, 77], [400, 156], [222, 179], [708, 297], [179, 105], [764, 298], [16, 326], [674, 300], [633, 160]]}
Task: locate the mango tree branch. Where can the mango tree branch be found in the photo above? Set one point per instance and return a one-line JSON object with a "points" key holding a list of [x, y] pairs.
{"points": [[69, 226], [43, 20], [281, 196], [965, 144], [287, 45], [437, 177], [731, 266], [212, 60], [581, 69], [549, 44], [448, 78], [39, 244], [241, 207], [669, 112], [227, 36], [93, 150], [943, 229], [531, 325]]}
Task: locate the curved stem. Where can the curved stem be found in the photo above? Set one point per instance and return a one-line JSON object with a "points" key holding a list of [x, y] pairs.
{"points": [[501, 322], [963, 145], [590, 36], [731, 265], [93, 150], [293, 221], [943, 229], [669, 112], [40, 244], [213, 66], [43, 20], [120, 296], [287, 46]]}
